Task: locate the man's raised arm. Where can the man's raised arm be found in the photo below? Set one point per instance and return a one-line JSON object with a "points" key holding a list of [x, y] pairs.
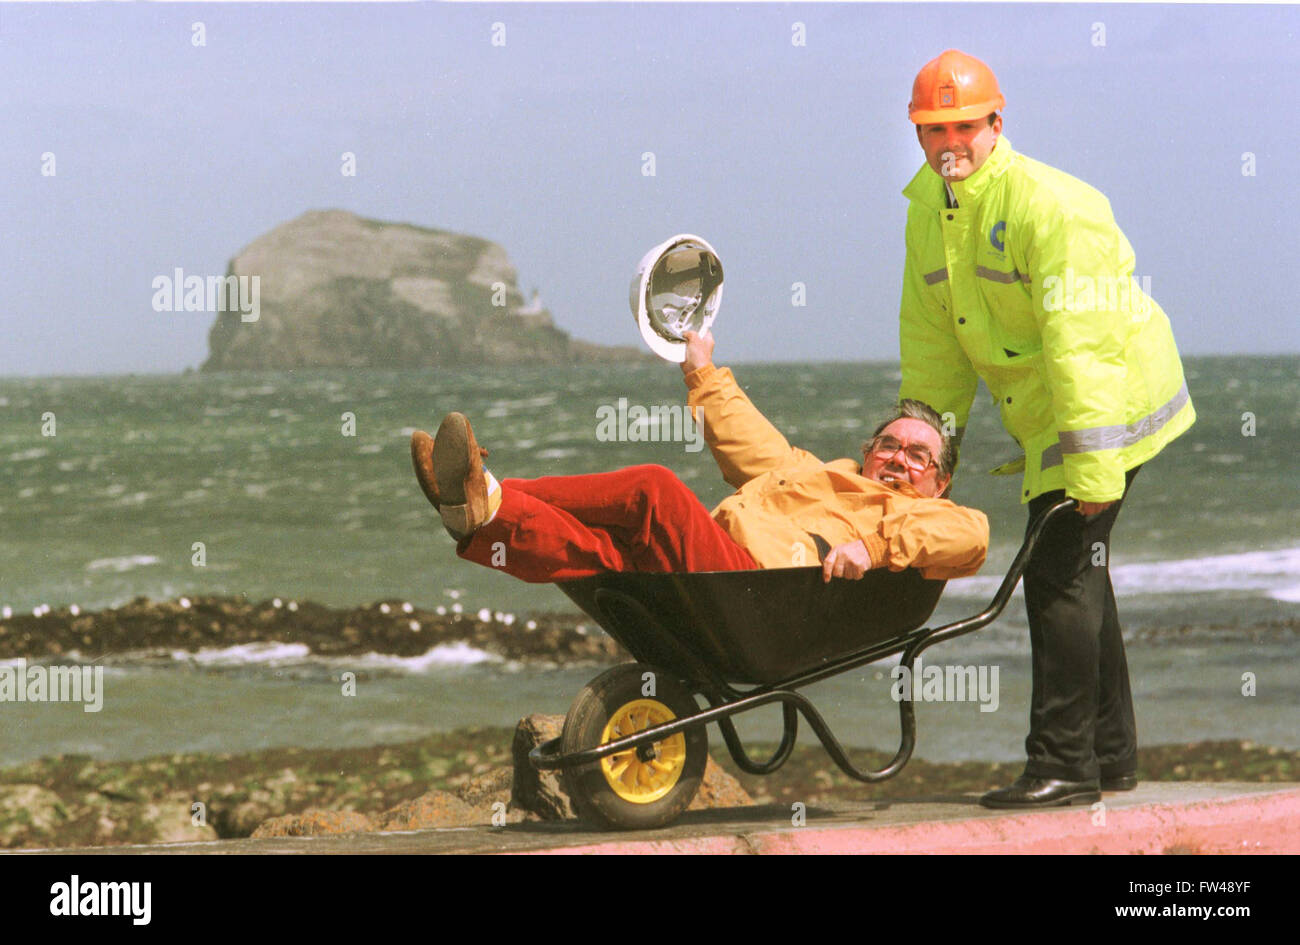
{"points": [[744, 443]]}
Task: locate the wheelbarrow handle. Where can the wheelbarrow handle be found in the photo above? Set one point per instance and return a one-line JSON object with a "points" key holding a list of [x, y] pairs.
{"points": [[1003, 595], [1021, 561]]}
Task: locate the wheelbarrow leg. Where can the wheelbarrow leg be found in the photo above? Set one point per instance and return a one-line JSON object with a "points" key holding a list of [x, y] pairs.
{"points": [[790, 721], [907, 724], [794, 703]]}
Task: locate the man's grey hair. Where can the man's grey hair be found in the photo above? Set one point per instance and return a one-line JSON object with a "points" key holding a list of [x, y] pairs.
{"points": [[910, 409]]}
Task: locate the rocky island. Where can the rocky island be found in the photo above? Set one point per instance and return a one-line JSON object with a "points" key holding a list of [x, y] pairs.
{"points": [[338, 290]]}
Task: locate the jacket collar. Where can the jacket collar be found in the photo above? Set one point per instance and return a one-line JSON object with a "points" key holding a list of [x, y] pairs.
{"points": [[926, 188], [898, 485]]}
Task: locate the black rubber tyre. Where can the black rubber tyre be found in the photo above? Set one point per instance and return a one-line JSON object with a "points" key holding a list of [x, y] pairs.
{"points": [[623, 792]]}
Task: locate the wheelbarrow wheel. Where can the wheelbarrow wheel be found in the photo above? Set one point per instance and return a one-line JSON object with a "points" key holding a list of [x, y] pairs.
{"points": [[628, 790]]}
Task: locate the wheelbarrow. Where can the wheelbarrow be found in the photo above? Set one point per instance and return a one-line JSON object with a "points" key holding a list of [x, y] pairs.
{"points": [[634, 745]]}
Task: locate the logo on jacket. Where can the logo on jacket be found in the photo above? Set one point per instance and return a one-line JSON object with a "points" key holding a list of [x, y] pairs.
{"points": [[996, 235]]}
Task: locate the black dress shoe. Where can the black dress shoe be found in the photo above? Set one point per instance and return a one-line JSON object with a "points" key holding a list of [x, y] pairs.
{"points": [[1122, 782], [1030, 793]]}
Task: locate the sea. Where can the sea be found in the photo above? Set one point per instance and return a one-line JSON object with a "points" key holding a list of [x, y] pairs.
{"points": [[298, 485]]}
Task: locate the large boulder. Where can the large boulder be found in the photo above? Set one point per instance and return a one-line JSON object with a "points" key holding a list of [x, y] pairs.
{"points": [[719, 789], [30, 815], [171, 820], [432, 809], [337, 290], [315, 823], [539, 792]]}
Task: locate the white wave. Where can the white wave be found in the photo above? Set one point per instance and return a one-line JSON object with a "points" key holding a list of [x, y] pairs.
{"points": [[246, 654], [36, 453], [1276, 573], [459, 653], [1251, 570], [298, 654], [121, 564], [524, 403]]}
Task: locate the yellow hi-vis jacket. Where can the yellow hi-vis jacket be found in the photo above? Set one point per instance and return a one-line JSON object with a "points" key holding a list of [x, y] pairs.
{"points": [[791, 508], [1028, 283]]}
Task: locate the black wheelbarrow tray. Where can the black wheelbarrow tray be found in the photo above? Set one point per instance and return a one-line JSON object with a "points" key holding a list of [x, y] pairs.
{"points": [[634, 744]]}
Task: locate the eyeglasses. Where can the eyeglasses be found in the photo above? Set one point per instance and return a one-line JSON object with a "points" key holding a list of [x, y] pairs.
{"points": [[915, 456]]}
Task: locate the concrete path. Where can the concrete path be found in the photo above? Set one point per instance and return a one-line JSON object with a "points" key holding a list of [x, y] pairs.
{"points": [[1158, 817]]}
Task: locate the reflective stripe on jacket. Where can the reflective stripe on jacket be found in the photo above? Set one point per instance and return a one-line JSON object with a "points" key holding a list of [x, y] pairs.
{"points": [[1028, 283], [791, 508]]}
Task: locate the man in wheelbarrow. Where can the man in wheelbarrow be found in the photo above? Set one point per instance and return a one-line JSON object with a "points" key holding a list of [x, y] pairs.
{"points": [[790, 508]]}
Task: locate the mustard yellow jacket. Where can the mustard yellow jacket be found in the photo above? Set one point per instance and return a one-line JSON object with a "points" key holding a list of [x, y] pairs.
{"points": [[791, 508]]}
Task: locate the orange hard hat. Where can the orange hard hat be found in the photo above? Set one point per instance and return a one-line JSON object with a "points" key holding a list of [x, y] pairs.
{"points": [[953, 87]]}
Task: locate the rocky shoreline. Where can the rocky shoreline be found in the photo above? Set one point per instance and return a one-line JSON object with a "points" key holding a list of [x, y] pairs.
{"points": [[458, 778], [390, 627]]}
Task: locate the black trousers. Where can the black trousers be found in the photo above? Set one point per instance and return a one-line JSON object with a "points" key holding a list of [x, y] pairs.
{"points": [[1081, 723]]}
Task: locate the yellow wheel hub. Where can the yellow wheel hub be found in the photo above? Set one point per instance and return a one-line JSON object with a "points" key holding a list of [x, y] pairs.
{"points": [[642, 782]]}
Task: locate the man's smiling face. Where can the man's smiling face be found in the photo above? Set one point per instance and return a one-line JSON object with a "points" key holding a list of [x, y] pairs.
{"points": [[957, 149], [899, 454]]}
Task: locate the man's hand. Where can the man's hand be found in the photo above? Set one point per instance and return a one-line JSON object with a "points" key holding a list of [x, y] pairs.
{"points": [[850, 561], [699, 351], [1092, 508]]}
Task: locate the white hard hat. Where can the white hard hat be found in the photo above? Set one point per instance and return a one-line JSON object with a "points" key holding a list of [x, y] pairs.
{"points": [[677, 288]]}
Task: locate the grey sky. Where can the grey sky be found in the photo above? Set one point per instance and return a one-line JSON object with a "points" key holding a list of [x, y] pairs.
{"points": [[790, 160]]}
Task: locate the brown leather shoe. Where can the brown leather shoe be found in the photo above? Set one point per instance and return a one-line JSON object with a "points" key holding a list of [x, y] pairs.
{"points": [[461, 486], [422, 460]]}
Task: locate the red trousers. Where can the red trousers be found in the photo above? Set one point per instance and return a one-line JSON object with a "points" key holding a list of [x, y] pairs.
{"points": [[642, 518]]}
